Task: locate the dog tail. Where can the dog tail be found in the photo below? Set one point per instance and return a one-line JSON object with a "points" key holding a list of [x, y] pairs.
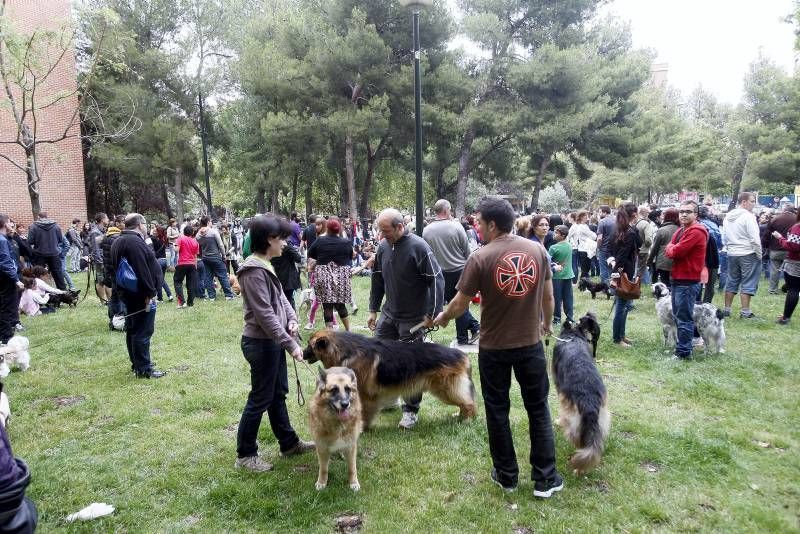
{"points": [[594, 430]]}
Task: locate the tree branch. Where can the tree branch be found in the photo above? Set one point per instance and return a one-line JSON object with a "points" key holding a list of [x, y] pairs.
{"points": [[494, 146], [11, 161]]}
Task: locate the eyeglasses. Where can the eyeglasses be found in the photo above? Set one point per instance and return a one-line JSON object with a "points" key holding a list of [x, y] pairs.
{"points": [[686, 212]]}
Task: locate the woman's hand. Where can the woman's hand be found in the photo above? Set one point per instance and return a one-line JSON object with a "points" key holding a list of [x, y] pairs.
{"points": [[297, 354], [293, 328]]}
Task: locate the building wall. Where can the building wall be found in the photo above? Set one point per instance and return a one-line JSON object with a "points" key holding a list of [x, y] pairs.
{"points": [[61, 189]]}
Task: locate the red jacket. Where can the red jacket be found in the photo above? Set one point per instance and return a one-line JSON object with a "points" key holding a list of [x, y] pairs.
{"points": [[688, 252], [792, 243]]}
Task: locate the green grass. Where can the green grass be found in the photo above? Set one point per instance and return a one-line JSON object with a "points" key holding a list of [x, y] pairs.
{"points": [[686, 450]]}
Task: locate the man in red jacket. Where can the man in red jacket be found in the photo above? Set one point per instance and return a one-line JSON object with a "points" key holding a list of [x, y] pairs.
{"points": [[688, 252]]}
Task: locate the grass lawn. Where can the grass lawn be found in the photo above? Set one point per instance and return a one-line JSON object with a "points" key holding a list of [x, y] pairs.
{"points": [[709, 445]]}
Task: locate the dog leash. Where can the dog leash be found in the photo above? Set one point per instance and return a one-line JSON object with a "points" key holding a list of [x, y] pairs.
{"points": [[79, 332]]}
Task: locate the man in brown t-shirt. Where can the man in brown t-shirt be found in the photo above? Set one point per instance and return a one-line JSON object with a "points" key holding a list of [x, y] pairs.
{"points": [[513, 276]]}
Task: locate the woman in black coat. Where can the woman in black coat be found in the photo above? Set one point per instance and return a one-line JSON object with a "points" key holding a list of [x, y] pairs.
{"points": [[625, 249]]}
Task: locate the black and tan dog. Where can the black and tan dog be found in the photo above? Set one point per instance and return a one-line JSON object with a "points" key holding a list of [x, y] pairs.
{"points": [[583, 414], [389, 369], [586, 284], [335, 421]]}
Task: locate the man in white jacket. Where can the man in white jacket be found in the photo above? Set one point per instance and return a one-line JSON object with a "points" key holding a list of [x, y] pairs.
{"points": [[740, 235]]}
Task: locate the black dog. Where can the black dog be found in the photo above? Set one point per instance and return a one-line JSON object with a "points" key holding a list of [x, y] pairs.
{"points": [[70, 298], [586, 284], [583, 414]]}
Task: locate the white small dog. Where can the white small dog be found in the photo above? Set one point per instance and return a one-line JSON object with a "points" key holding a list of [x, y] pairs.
{"points": [[14, 353], [708, 320], [306, 299]]}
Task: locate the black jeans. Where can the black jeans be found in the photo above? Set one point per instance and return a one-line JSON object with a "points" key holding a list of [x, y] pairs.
{"points": [[269, 384], [585, 263], [189, 272], [54, 265], [9, 301], [466, 323], [115, 304], [399, 331], [139, 329], [530, 369], [792, 294]]}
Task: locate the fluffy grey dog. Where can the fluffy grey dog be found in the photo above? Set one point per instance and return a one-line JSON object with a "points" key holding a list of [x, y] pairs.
{"points": [[707, 318]]}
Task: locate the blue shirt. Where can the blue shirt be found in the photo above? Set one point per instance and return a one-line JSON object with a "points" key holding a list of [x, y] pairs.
{"points": [[8, 267]]}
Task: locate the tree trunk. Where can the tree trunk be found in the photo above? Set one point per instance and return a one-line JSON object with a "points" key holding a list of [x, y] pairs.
{"points": [[539, 178], [309, 200], [350, 178], [343, 198], [32, 175], [165, 196], [178, 190], [463, 170], [261, 200], [372, 162], [293, 199], [736, 180], [273, 199], [202, 196]]}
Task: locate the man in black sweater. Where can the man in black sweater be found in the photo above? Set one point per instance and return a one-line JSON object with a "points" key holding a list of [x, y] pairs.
{"points": [[407, 274], [140, 304], [44, 238]]}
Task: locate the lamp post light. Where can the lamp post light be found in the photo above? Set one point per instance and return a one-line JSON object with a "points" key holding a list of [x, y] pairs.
{"points": [[415, 6]]}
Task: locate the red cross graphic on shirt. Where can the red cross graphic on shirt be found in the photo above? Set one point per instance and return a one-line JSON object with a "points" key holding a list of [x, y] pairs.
{"points": [[516, 274]]}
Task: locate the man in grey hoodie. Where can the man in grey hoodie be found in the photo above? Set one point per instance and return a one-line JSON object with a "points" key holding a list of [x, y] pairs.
{"points": [[742, 239], [44, 238], [213, 256]]}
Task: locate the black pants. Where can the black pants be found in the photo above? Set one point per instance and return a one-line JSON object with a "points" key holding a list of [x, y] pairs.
{"points": [[707, 291], [139, 328], [189, 272], [663, 277], [327, 311], [530, 369], [399, 330], [115, 304], [231, 264], [53, 264], [585, 263], [289, 296], [9, 302], [269, 384], [466, 323], [792, 295]]}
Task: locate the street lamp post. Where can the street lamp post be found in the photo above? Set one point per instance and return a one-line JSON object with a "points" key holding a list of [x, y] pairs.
{"points": [[415, 6]]}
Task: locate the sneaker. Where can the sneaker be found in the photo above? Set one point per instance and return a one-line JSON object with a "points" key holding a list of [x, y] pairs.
{"points": [[170, 298], [408, 421], [749, 315], [628, 341], [475, 337], [623, 344], [19, 327], [698, 342], [773, 291], [181, 306], [545, 488], [681, 357], [253, 463], [355, 311], [309, 326], [230, 298], [507, 489], [300, 448], [782, 320]]}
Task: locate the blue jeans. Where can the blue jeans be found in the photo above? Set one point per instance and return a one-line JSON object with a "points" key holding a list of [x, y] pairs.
{"points": [[163, 263], [743, 274], [575, 266], [621, 309], [65, 272], [200, 288], [216, 267], [139, 329], [605, 271], [723, 270], [683, 299], [562, 294], [466, 322], [269, 384]]}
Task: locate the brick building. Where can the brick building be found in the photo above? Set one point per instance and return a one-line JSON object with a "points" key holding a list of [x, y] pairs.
{"points": [[62, 190]]}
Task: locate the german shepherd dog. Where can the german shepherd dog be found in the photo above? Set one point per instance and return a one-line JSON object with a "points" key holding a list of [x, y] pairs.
{"points": [[389, 369], [586, 284], [335, 421], [584, 414]]}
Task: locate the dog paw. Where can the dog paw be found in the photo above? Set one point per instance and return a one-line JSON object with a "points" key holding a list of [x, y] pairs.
{"points": [[320, 485], [355, 486]]}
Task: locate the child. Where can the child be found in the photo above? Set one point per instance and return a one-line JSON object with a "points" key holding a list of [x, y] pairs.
{"points": [[33, 301], [561, 254]]}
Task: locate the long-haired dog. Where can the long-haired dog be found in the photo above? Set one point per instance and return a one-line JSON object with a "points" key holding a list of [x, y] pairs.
{"points": [[14, 353], [335, 421], [583, 414], [69, 298], [388, 369], [708, 319], [586, 284]]}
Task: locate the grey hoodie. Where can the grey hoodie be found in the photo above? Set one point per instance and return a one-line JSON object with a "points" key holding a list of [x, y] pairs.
{"points": [[266, 311], [740, 233]]}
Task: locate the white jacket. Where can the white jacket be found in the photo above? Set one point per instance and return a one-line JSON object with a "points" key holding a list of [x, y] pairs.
{"points": [[740, 233], [578, 237]]}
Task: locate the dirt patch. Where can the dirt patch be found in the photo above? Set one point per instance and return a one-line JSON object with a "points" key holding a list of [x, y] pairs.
{"points": [[155, 411], [522, 530], [61, 402], [302, 468], [369, 454], [192, 520], [468, 478], [180, 369], [602, 486], [650, 467], [349, 523], [232, 429], [627, 435], [707, 506]]}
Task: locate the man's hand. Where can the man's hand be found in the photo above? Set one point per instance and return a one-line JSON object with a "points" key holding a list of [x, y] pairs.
{"points": [[372, 320], [297, 354], [558, 267], [20, 285], [547, 330], [441, 320], [777, 235], [293, 328]]}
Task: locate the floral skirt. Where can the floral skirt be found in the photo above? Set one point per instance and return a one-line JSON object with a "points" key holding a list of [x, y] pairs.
{"points": [[332, 283]]}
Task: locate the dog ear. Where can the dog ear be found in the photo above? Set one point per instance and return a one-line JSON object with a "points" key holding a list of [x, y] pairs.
{"points": [[322, 378], [352, 376], [321, 343]]}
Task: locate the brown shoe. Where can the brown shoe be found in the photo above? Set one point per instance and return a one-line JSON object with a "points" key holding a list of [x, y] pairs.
{"points": [[300, 448], [253, 463]]}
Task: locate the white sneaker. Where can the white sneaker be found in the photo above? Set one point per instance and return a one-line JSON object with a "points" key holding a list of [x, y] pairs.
{"points": [[309, 326], [408, 421], [698, 342]]}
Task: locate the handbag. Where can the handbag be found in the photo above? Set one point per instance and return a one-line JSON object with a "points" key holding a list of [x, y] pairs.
{"points": [[626, 289], [126, 277]]}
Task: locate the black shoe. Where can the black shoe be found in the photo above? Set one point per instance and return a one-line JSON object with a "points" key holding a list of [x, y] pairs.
{"points": [[505, 488], [545, 488], [152, 373]]}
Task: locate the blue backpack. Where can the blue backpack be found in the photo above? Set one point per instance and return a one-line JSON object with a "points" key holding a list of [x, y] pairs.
{"points": [[126, 277]]}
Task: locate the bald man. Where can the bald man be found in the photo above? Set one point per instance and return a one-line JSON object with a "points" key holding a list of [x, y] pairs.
{"points": [[407, 274]]}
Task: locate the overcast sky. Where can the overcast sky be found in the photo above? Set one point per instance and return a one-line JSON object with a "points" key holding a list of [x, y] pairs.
{"points": [[709, 42]]}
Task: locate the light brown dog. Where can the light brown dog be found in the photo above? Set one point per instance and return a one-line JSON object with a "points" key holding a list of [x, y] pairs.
{"points": [[389, 369], [335, 421], [234, 284]]}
